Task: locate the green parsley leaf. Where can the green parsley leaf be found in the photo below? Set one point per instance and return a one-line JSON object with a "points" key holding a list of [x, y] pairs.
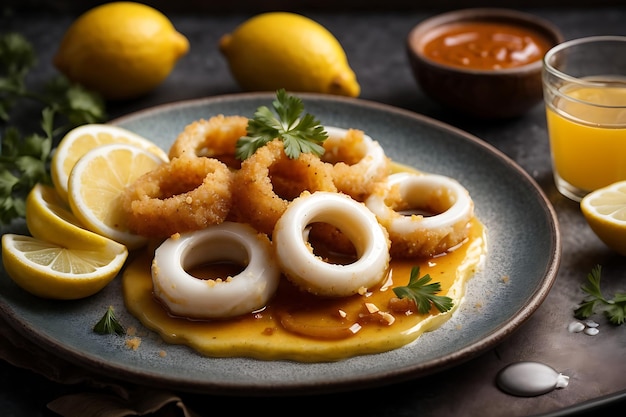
{"points": [[25, 160], [108, 324], [423, 293], [614, 309], [76, 104], [300, 134]]}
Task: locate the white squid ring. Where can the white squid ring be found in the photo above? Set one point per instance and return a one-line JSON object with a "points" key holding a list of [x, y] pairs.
{"points": [[358, 178], [418, 235], [311, 273], [188, 296]]}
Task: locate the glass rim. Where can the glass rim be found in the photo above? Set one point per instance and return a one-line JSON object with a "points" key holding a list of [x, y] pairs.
{"points": [[574, 42]]}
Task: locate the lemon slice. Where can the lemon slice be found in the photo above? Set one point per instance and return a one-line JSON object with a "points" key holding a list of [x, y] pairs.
{"points": [[50, 219], [51, 271], [605, 211], [82, 139], [96, 184]]}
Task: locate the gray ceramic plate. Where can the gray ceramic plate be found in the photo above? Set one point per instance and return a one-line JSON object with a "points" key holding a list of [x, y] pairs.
{"points": [[523, 238]]}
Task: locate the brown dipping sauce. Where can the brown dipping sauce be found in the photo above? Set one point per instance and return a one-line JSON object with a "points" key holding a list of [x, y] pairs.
{"points": [[485, 45]]}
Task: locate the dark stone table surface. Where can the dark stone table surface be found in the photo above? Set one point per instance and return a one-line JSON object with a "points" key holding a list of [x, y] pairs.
{"points": [[374, 43]]}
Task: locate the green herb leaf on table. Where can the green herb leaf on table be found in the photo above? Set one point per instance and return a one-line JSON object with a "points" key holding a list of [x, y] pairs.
{"points": [[108, 324], [25, 160], [614, 308], [423, 293], [300, 134]]}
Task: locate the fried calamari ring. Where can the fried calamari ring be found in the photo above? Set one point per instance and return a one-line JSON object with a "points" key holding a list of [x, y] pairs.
{"points": [[188, 193], [269, 180], [216, 138], [188, 296], [358, 161], [444, 210], [309, 271]]}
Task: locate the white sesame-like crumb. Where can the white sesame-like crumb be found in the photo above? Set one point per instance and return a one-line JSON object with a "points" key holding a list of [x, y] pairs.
{"points": [[372, 308], [355, 328], [390, 319]]}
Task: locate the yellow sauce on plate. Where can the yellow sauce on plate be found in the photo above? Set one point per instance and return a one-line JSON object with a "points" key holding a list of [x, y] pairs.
{"points": [[269, 334]]}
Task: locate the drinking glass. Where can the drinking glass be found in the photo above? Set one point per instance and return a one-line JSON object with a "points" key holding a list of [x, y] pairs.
{"points": [[584, 88]]}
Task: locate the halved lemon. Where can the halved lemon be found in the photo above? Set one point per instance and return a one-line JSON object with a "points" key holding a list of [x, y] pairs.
{"points": [[49, 218], [96, 184], [605, 212], [51, 271], [82, 139]]}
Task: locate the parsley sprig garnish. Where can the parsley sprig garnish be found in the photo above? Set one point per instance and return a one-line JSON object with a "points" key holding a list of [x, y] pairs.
{"points": [[108, 324], [423, 293], [614, 309], [300, 134], [24, 160]]}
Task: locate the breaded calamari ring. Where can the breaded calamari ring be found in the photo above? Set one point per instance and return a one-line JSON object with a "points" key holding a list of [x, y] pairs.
{"points": [[216, 138], [269, 180], [188, 193], [425, 214], [358, 161]]}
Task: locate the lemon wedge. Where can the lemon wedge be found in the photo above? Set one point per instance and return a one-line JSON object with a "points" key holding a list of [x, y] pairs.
{"points": [[96, 184], [86, 137], [605, 212], [50, 219], [51, 271]]}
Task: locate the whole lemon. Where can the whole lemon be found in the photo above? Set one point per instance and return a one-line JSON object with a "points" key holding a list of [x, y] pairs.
{"points": [[285, 50], [121, 50]]}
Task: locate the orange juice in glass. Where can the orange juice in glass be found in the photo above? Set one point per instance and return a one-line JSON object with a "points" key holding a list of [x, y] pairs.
{"points": [[585, 94]]}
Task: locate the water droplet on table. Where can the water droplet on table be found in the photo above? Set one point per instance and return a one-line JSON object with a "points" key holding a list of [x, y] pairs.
{"points": [[529, 379], [575, 327]]}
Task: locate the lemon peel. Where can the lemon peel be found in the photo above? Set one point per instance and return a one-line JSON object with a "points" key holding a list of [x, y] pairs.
{"points": [[121, 49], [286, 50], [605, 211], [50, 271], [50, 219]]}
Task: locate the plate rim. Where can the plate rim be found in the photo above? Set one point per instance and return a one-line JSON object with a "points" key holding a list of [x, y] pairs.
{"points": [[422, 369]]}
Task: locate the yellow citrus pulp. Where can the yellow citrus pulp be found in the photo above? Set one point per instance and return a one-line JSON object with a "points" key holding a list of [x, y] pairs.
{"points": [[51, 271], [86, 137], [286, 50], [97, 182], [120, 49], [605, 211]]}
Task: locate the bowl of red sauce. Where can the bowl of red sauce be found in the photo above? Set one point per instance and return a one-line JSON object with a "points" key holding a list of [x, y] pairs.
{"points": [[483, 62]]}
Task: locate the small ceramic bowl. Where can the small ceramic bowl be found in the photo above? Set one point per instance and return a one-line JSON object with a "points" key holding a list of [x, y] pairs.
{"points": [[483, 62]]}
